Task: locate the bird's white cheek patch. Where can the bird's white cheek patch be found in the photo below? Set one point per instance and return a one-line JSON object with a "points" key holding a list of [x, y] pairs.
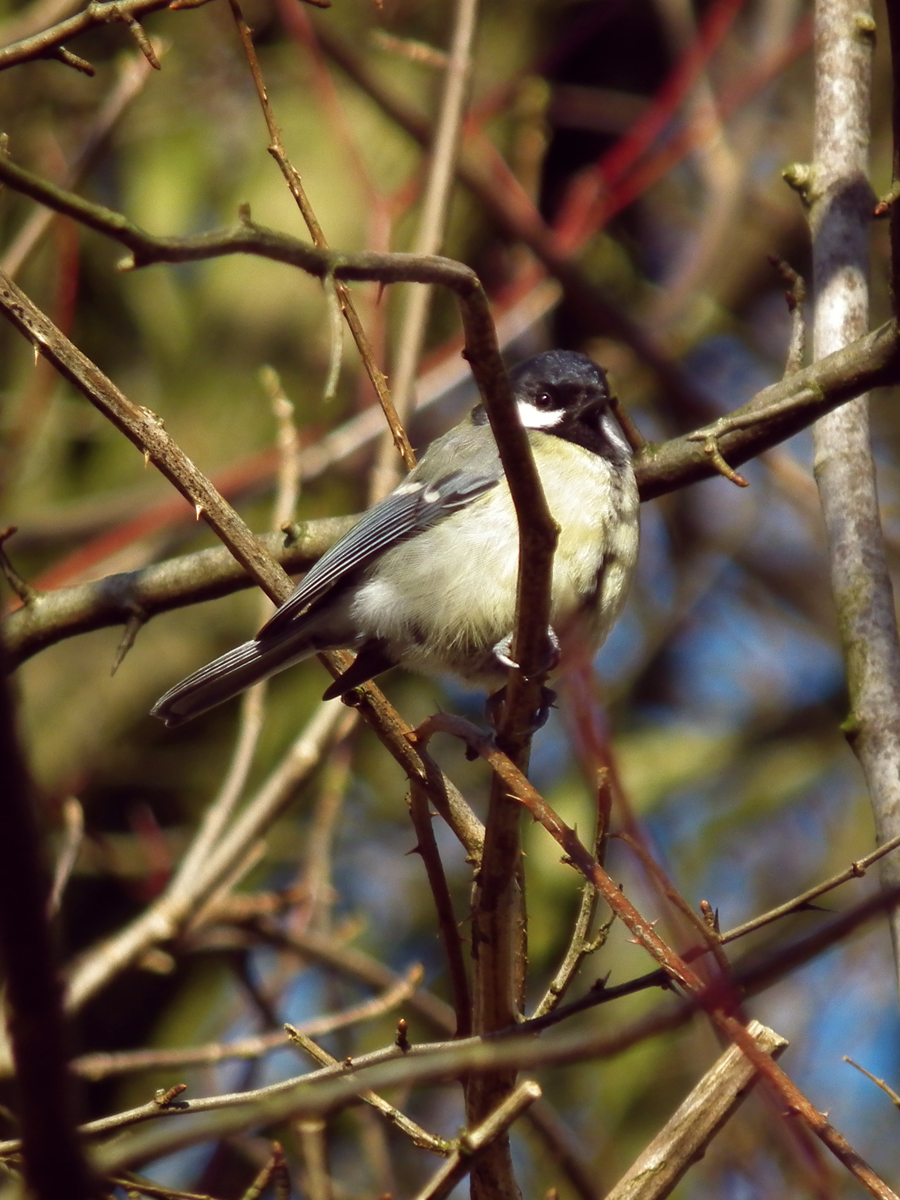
{"points": [[538, 418]]}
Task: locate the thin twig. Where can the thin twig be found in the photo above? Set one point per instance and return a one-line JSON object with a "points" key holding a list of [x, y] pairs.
{"points": [[342, 294], [580, 943], [133, 74], [886, 1088], [474, 1142], [429, 239], [796, 298], [418, 1135], [103, 1065], [855, 871], [325, 1090], [314, 1153], [644, 933], [186, 893], [427, 847], [48, 43]]}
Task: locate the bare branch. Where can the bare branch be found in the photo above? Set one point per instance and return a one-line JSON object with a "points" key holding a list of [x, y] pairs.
{"points": [[442, 159], [48, 43], [418, 1135], [55, 1167], [840, 201], [295, 183], [688, 1132], [718, 1009], [474, 1142]]}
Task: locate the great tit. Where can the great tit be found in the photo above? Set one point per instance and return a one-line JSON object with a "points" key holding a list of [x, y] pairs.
{"points": [[427, 578]]}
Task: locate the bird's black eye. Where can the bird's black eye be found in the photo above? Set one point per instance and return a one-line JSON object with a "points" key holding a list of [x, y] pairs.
{"points": [[544, 400]]}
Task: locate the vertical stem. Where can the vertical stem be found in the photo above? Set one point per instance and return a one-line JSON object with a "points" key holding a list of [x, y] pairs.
{"points": [[54, 1165], [432, 223], [840, 210], [499, 960], [893, 16]]}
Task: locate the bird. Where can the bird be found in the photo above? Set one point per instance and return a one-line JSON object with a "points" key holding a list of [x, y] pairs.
{"points": [[427, 578]]}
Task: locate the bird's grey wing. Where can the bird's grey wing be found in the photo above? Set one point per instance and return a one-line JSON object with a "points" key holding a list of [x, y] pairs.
{"points": [[409, 510]]}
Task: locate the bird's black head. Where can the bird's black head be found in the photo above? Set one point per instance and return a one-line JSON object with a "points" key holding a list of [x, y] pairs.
{"points": [[567, 395]]}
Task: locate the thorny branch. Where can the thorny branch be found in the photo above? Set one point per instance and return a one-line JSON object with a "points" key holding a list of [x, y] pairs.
{"points": [[714, 1000]]}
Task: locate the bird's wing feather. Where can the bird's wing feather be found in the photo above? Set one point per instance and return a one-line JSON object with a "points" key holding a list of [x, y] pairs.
{"points": [[411, 509]]}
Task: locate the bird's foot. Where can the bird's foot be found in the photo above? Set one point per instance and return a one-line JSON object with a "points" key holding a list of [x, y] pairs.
{"points": [[494, 709], [548, 661]]}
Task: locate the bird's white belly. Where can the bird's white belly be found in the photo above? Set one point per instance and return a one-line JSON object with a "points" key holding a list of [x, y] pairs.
{"points": [[443, 601]]}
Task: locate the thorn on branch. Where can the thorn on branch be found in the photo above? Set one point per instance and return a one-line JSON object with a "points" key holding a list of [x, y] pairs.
{"points": [[710, 916], [402, 1038], [795, 297], [26, 593], [61, 54], [136, 619]]}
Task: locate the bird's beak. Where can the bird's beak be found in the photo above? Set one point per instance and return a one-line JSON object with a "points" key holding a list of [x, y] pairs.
{"points": [[593, 403]]}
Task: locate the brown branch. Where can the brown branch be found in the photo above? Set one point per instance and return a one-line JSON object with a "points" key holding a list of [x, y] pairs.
{"points": [[427, 847], [886, 1088], [537, 530], [48, 43], [716, 1001], [145, 430], [580, 943], [325, 1091], [195, 882], [774, 414], [73, 829], [160, 587], [55, 1168]]}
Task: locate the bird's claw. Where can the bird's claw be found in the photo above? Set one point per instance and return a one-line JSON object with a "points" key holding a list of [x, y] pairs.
{"points": [[494, 709], [548, 660]]}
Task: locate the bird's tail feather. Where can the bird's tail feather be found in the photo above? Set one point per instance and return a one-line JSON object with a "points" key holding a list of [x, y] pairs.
{"points": [[225, 677]]}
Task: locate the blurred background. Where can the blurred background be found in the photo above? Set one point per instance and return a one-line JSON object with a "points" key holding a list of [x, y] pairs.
{"points": [[651, 135]]}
